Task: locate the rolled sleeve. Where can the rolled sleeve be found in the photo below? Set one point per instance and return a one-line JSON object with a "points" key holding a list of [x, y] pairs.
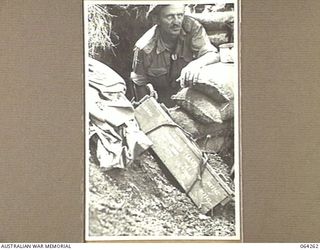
{"points": [[200, 42]]}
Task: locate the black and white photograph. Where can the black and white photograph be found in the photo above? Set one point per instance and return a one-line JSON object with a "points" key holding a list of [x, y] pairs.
{"points": [[162, 119]]}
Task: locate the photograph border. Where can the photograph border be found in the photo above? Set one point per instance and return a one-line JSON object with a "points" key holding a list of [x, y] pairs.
{"points": [[237, 132]]}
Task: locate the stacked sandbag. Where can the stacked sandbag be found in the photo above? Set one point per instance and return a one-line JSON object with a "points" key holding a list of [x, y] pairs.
{"points": [[210, 137], [210, 100], [198, 105], [206, 109], [217, 82], [228, 53], [195, 128], [219, 25]]}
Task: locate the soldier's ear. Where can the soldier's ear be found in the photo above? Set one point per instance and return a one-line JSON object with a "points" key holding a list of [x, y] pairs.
{"points": [[155, 19]]}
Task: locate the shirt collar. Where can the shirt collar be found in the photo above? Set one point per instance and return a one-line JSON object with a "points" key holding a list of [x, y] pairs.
{"points": [[158, 43]]}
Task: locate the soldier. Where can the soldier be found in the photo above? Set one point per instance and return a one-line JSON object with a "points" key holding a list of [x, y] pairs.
{"points": [[170, 54]]}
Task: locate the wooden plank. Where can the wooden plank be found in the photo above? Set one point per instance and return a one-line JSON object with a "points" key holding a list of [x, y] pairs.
{"points": [[181, 156]]}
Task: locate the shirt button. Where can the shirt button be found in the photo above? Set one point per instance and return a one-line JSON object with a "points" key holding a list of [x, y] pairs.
{"points": [[174, 57]]}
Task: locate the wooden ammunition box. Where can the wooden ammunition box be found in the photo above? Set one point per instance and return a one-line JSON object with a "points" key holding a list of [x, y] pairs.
{"points": [[182, 157]]}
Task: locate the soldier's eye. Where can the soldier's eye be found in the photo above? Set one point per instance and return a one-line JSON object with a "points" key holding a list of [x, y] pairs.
{"points": [[170, 17]]}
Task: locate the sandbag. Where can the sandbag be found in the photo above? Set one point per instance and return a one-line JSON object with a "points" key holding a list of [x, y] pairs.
{"points": [[184, 120], [197, 129], [217, 81], [218, 37], [227, 53], [227, 110], [211, 144], [198, 106], [222, 145], [214, 21]]}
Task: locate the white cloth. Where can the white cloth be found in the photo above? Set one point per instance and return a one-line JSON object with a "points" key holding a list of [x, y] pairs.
{"points": [[118, 137]]}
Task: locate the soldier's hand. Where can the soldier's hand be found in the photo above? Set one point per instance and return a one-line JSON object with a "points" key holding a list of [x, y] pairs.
{"points": [[189, 74], [152, 91]]}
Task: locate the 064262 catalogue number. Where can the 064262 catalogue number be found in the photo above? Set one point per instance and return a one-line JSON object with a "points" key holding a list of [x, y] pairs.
{"points": [[309, 245]]}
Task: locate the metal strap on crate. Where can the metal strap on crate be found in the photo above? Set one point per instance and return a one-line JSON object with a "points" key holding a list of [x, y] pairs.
{"points": [[201, 169], [173, 124]]}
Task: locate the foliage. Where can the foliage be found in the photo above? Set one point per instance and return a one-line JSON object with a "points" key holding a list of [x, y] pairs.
{"points": [[99, 29]]}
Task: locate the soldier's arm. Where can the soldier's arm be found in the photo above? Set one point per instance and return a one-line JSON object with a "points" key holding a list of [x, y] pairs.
{"points": [[206, 59], [205, 54], [138, 75], [190, 74]]}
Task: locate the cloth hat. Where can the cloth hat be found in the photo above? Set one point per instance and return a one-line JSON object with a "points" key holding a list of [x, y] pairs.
{"points": [[154, 9]]}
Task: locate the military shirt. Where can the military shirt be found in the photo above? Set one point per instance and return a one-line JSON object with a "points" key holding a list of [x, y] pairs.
{"points": [[154, 63]]}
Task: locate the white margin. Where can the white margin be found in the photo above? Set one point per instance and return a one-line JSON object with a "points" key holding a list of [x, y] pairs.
{"points": [[86, 126], [237, 145], [237, 129]]}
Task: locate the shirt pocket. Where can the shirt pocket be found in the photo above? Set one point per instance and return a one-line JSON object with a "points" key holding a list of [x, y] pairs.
{"points": [[157, 72]]}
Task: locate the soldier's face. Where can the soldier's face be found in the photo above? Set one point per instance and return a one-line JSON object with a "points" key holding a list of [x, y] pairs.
{"points": [[170, 19]]}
